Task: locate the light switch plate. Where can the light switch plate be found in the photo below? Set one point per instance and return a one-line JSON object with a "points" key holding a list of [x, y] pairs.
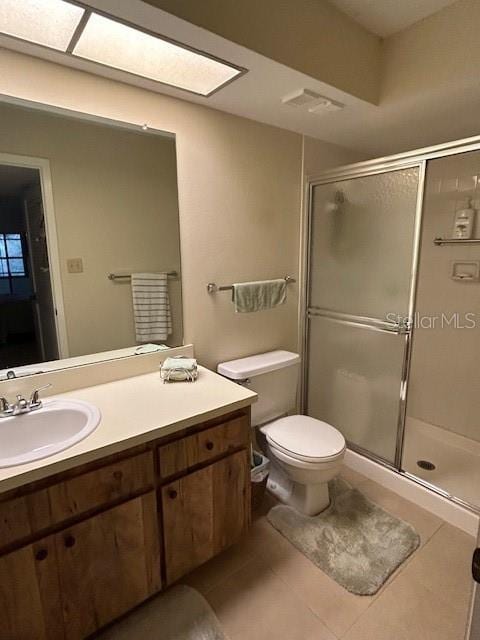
{"points": [[75, 265]]}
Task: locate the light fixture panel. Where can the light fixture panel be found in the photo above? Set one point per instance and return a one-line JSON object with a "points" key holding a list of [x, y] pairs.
{"points": [[50, 23], [120, 46]]}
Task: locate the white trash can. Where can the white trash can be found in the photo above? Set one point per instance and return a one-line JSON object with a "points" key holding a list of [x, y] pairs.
{"points": [[259, 476]]}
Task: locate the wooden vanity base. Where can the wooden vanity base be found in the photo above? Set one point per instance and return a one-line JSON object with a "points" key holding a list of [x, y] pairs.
{"points": [[82, 548]]}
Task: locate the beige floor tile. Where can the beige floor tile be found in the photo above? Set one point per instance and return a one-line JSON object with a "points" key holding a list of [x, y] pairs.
{"points": [[407, 610], [255, 604], [333, 604], [423, 521], [268, 502], [443, 566], [264, 588], [221, 567], [265, 541]]}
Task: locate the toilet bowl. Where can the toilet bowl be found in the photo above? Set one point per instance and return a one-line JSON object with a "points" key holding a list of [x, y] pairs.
{"points": [[305, 453]]}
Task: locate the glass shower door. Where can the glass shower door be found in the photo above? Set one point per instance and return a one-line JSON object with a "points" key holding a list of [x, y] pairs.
{"points": [[363, 239]]}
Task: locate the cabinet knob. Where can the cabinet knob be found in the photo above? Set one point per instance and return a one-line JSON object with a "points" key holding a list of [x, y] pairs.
{"points": [[209, 445], [41, 554], [172, 494], [118, 475], [69, 541]]}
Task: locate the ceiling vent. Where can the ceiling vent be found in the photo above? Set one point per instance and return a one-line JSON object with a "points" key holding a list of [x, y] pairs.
{"points": [[311, 102], [301, 98]]}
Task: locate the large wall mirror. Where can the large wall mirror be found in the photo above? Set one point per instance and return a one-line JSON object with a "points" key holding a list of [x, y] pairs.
{"points": [[84, 205]]}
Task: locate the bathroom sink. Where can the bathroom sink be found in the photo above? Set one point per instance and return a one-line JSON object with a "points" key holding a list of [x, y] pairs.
{"points": [[56, 426]]}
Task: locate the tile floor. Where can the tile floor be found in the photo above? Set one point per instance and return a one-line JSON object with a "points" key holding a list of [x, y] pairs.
{"points": [[264, 589]]}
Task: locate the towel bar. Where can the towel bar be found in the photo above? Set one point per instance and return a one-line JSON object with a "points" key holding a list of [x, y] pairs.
{"points": [[212, 287], [123, 276], [440, 241]]}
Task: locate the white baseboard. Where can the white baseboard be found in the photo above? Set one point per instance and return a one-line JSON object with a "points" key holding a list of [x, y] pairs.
{"points": [[452, 513]]}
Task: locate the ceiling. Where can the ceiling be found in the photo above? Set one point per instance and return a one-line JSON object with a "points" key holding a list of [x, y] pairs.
{"points": [[405, 119], [386, 17]]}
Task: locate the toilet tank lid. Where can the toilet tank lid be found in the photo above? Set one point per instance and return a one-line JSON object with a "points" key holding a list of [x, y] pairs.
{"points": [[256, 365]]}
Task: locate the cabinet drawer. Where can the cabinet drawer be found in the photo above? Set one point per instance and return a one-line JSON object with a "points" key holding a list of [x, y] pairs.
{"points": [[93, 489], [23, 516], [204, 446]]}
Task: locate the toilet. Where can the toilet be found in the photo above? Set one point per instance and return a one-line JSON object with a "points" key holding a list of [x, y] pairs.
{"points": [[305, 453]]}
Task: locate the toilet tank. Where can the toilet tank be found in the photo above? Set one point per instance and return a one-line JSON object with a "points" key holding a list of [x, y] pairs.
{"points": [[273, 376]]}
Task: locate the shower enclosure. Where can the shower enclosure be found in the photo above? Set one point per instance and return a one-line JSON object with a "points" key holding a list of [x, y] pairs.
{"points": [[372, 254]]}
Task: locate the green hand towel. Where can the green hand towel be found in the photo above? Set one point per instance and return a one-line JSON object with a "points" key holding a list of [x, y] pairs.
{"points": [[180, 362], [260, 295], [150, 348]]}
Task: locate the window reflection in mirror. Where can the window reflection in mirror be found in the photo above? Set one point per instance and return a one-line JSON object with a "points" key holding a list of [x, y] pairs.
{"points": [[80, 200]]}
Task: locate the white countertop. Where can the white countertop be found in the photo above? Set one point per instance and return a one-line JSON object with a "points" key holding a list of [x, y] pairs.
{"points": [[134, 411]]}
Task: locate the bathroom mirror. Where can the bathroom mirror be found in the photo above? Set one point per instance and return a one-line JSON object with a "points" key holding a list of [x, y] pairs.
{"points": [[84, 204]]}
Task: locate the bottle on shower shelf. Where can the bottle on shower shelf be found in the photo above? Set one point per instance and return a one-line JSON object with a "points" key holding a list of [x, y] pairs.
{"points": [[464, 222]]}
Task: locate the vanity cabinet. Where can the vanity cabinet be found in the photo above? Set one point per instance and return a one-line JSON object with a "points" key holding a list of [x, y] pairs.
{"points": [[71, 583], [204, 513], [203, 447], [82, 548], [120, 479], [30, 603], [107, 565]]}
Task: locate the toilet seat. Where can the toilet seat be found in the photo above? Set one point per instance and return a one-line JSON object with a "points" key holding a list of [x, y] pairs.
{"points": [[305, 439], [310, 467]]}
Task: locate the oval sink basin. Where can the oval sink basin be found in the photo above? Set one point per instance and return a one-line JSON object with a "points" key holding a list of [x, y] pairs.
{"points": [[56, 426]]}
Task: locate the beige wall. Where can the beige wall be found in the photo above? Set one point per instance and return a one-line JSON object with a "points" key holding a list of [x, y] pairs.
{"points": [[239, 196], [434, 54], [445, 372], [116, 207], [429, 90], [311, 36], [319, 155]]}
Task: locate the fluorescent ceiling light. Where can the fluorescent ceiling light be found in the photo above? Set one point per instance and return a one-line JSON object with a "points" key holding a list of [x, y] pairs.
{"points": [[119, 46], [51, 23]]}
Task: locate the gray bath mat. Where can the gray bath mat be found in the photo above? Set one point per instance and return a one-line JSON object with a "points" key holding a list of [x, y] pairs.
{"points": [[178, 614], [354, 541]]}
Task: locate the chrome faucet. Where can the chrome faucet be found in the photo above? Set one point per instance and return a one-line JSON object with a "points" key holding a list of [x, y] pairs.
{"points": [[21, 405]]}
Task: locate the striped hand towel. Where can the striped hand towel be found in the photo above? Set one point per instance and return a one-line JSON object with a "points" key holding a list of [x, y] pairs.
{"points": [[151, 307]]}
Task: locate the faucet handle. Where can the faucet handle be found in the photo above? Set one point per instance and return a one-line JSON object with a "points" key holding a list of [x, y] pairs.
{"points": [[35, 401], [5, 407]]}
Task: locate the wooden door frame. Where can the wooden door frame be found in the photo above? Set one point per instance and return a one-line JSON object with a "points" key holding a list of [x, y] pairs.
{"points": [[43, 167]]}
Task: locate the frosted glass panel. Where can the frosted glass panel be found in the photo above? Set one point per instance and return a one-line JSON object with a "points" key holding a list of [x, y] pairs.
{"points": [[362, 244], [354, 378]]}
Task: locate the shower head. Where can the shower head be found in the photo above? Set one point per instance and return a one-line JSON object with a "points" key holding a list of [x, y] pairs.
{"points": [[338, 200]]}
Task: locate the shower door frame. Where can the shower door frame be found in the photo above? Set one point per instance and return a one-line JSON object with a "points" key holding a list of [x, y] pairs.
{"points": [[348, 173], [420, 158]]}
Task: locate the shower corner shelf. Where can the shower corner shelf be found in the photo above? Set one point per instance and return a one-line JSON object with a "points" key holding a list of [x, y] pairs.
{"points": [[441, 241]]}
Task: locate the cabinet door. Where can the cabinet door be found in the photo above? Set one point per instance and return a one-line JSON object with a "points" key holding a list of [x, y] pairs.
{"points": [[204, 513], [108, 564], [30, 607]]}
